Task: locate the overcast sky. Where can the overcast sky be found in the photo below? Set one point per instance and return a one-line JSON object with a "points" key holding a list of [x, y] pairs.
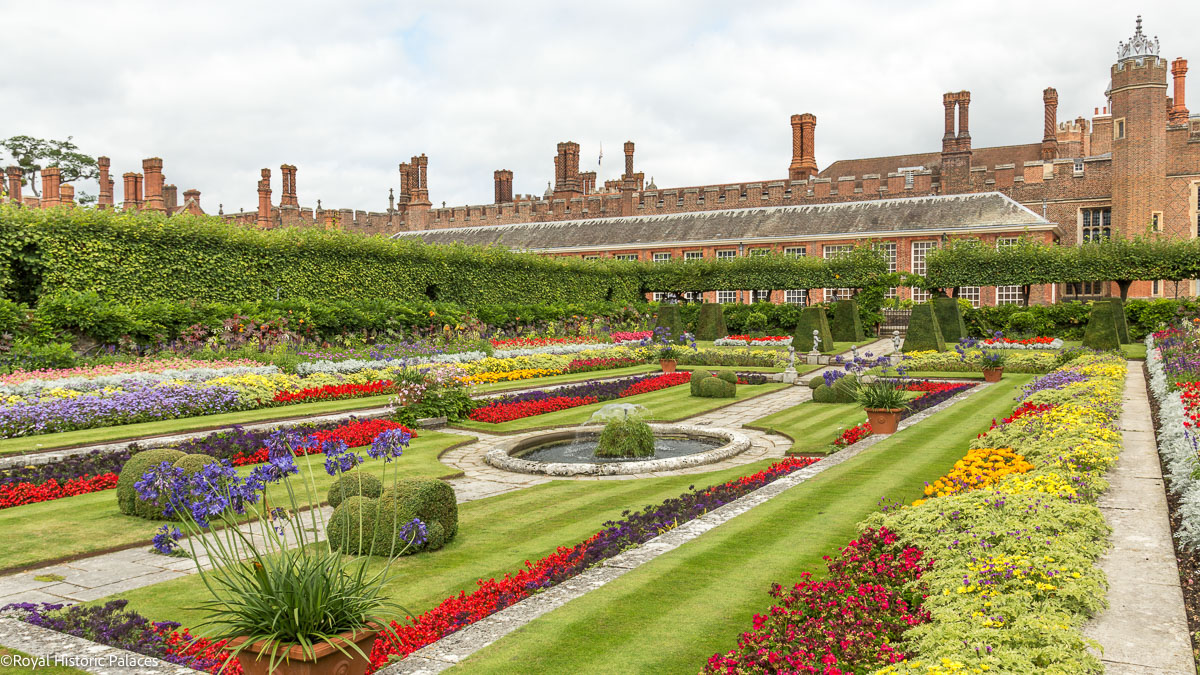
{"points": [[346, 90]]}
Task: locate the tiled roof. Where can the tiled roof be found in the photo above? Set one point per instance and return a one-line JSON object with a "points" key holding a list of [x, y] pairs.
{"points": [[985, 157], [935, 213]]}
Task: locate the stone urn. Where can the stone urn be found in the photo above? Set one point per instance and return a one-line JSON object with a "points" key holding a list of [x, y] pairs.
{"points": [[884, 421], [668, 365], [992, 374], [255, 658]]}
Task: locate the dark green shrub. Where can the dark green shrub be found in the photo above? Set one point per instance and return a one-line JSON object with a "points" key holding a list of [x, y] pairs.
{"points": [[756, 322], [923, 331], [845, 389], [813, 318], [824, 394], [694, 384], [132, 472], [667, 318], [727, 375], [352, 526], [629, 437], [194, 463], [710, 325], [12, 315], [713, 387], [1101, 332], [354, 484], [428, 499], [1023, 324], [847, 322], [949, 319], [816, 382], [29, 354], [1119, 319]]}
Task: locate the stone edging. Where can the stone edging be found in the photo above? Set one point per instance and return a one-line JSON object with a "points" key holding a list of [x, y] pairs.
{"points": [[454, 648], [736, 443], [79, 653]]}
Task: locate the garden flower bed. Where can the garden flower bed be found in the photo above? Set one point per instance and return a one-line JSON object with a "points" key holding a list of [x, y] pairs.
{"points": [[97, 471], [1025, 343], [1015, 535], [1020, 361], [522, 342], [744, 340], [122, 369], [934, 393], [538, 402]]}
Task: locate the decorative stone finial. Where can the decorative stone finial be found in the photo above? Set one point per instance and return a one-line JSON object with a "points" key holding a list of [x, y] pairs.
{"points": [[1139, 46]]}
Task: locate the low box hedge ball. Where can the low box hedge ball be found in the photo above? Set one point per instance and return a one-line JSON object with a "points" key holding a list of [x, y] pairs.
{"points": [[351, 528], [816, 382], [194, 463], [727, 375], [132, 472], [697, 377], [714, 387], [428, 499], [824, 394], [355, 483]]}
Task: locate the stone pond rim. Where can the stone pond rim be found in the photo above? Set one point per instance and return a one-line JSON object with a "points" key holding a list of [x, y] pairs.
{"points": [[503, 456]]}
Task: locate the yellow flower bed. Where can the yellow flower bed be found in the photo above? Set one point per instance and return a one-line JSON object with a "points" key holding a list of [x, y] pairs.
{"points": [[508, 376], [979, 468]]}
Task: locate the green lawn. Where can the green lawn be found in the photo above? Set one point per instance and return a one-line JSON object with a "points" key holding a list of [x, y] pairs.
{"points": [[671, 614], [47, 531], [666, 405], [47, 670], [812, 426], [1135, 350], [495, 536]]}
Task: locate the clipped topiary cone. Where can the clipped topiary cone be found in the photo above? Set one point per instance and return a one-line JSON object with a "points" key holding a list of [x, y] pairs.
{"points": [[847, 324], [711, 323], [924, 333], [812, 318], [950, 319], [1101, 332]]}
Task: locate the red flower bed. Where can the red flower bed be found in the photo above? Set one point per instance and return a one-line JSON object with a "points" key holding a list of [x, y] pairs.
{"points": [[847, 623], [930, 386], [1189, 393], [334, 391], [355, 434], [591, 365], [505, 412], [654, 384], [769, 338], [491, 596], [631, 336], [1022, 410], [198, 651], [853, 435], [1026, 341], [17, 494], [520, 343]]}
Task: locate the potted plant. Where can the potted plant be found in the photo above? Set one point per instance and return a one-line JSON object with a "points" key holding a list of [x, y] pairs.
{"points": [[884, 403], [668, 357], [992, 363], [286, 601]]}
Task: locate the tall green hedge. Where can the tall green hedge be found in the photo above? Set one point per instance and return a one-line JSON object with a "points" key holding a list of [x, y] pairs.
{"points": [[924, 333], [813, 318], [710, 325], [1101, 332], [138, 257], [854, 269], [847, 324], [950, 319]]}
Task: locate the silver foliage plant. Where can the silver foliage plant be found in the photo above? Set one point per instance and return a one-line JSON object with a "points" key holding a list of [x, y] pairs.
{"points": [[1179, 447], [34, 387]]}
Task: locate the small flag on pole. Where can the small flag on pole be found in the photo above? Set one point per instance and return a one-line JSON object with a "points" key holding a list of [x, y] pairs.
{"points": [[601, 160]]}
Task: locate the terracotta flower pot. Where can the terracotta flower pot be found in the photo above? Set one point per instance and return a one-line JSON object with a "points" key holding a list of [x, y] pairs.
{"points": [[255, 659], [992, 374], [884, 421], [668, 365]]}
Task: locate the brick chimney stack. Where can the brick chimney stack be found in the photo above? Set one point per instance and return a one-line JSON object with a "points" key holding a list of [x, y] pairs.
{"points": [[1179, 111], [808, 150], [191, 201], [628, 160], [566, 171], [964, 135], [1050, 127], [14, 184], [152, 167], [405, 189], [105, 200], [170, 198], [503, 178], [66, 195], [418, 184], [264, 200], [797, 149], [287, 191], [51, 181], [949, 99], [133, 191]]}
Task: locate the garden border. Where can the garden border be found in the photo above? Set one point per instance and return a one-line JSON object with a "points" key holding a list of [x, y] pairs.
{"points": [[44, 642]]}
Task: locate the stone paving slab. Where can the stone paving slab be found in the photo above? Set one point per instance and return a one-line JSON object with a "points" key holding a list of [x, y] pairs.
{"points": [[1144, 629]]}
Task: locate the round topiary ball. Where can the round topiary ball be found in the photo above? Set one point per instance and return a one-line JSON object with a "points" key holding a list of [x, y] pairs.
{"points": [[355, 483], [435, 537], [427, 499], [132, 472], [699, 377], [845, 389], [194, 463], [351, 528], [816, 382], [717, 388], [824, 394], [727, 375]]}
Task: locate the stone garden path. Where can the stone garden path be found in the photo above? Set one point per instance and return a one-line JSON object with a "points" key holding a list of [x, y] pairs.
{"points": [[93, 577], [1144, 630]]}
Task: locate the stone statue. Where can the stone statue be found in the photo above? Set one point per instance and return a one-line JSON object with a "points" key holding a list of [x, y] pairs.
{"points": [[816, 342], [791, 358]]}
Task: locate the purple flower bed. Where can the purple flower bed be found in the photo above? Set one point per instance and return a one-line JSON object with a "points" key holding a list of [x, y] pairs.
{"points": [[933, 398], [146, 404], [1053, 380], [111, 625]]}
